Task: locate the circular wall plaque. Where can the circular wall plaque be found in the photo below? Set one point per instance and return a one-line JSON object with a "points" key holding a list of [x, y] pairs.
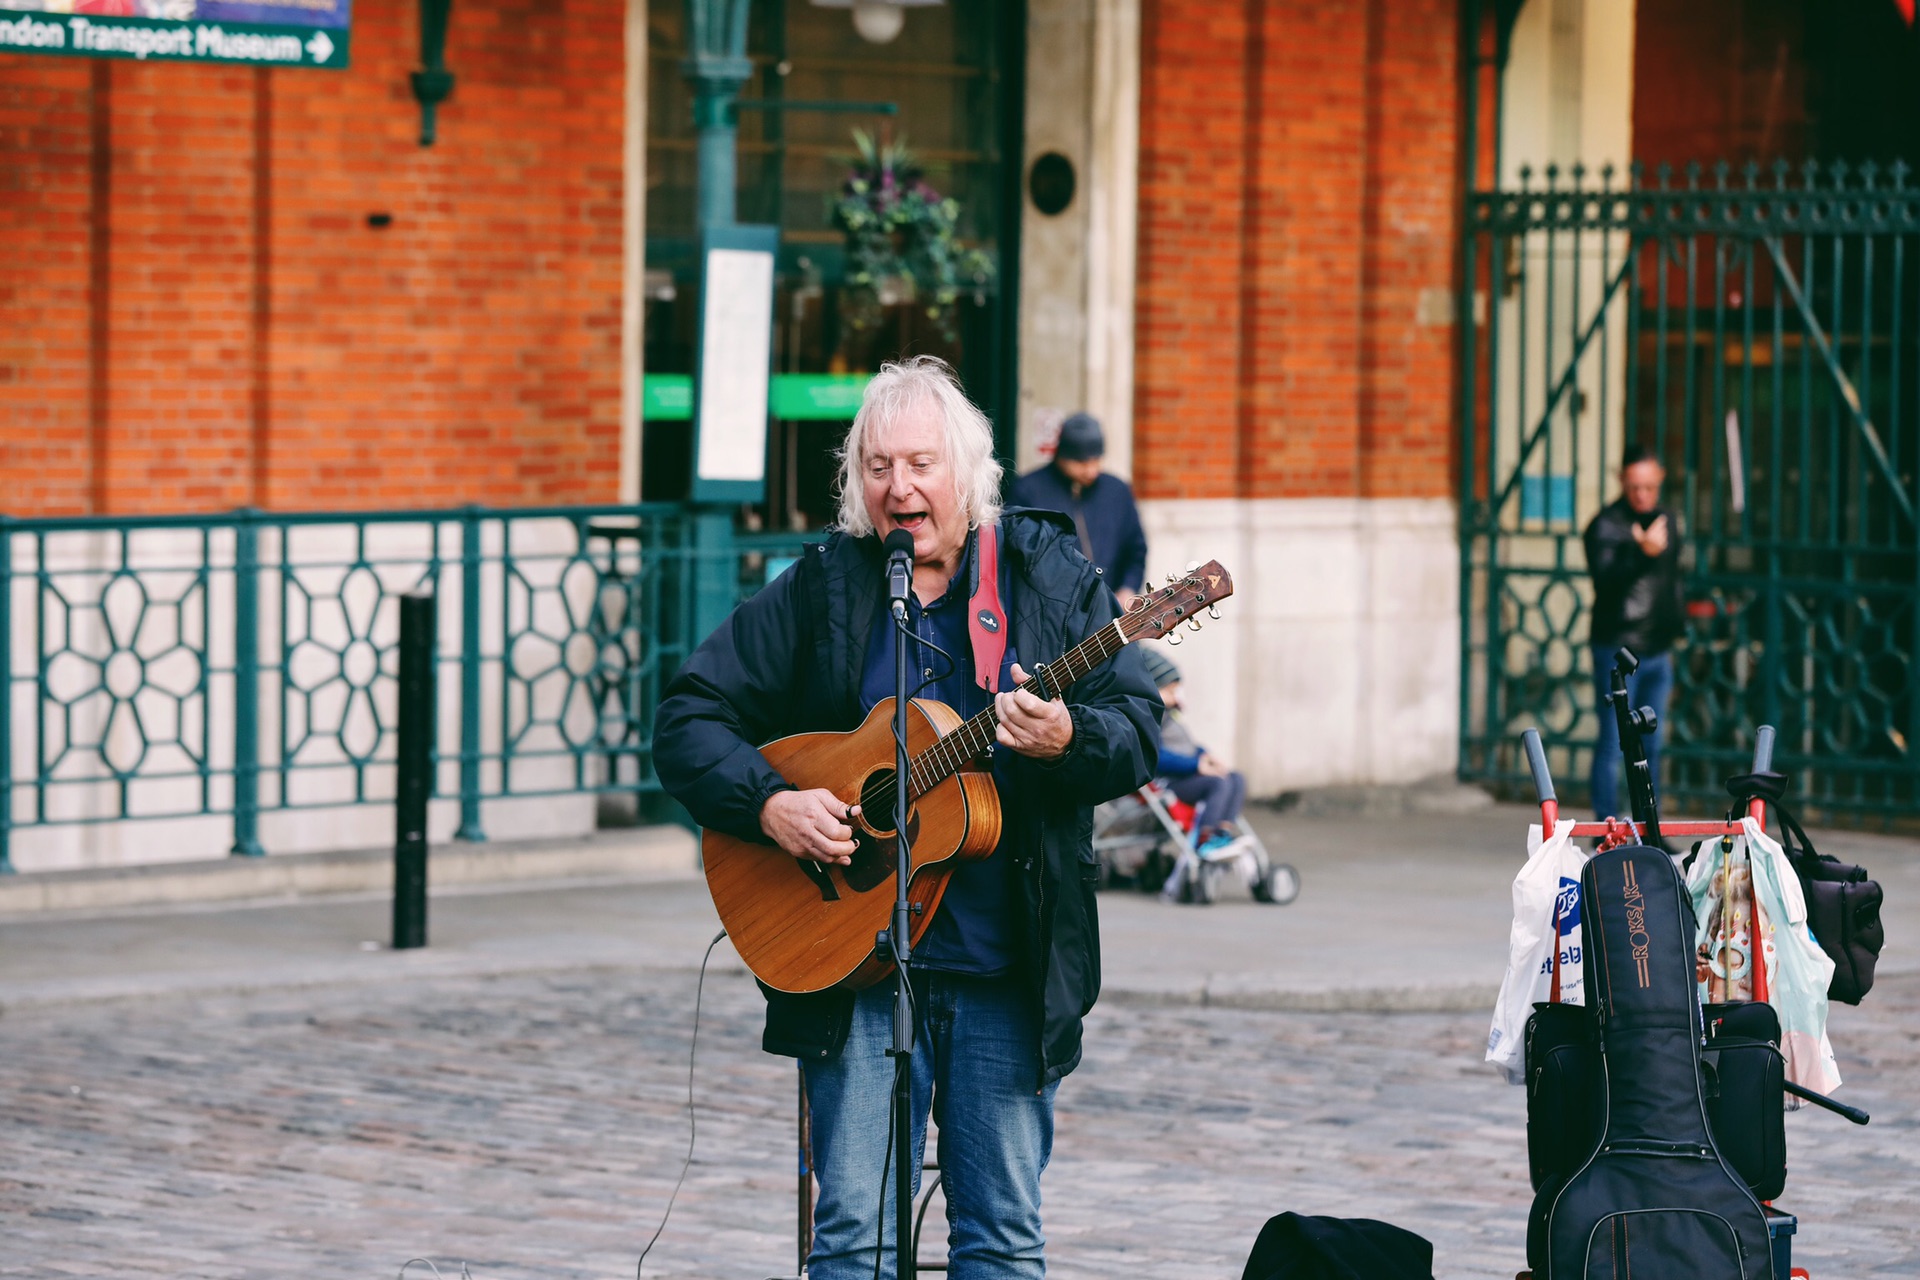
{"points": [[1050, 183]]}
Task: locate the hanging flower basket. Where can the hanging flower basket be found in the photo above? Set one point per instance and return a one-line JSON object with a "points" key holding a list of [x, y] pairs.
{"points": [[900, 242]]}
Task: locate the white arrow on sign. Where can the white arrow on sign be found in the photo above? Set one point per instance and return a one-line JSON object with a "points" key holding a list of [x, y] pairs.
{"points": [[320, 47]]}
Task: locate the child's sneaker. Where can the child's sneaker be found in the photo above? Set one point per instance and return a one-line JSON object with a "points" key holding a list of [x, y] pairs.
{"points": [[1215, 843]]}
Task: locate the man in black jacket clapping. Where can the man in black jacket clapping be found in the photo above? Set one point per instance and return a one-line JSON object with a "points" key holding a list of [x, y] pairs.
{"points": [[1633, 553]]}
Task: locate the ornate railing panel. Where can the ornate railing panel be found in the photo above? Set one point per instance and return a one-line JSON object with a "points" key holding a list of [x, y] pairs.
{"points": [[242, 665]]}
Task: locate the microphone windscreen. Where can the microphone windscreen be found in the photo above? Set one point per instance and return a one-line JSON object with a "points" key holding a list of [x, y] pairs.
{"points": [[899, 542]]}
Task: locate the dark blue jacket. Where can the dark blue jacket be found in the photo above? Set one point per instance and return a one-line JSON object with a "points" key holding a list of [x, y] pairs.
{"points": [[1107, 509], [789, 661]]}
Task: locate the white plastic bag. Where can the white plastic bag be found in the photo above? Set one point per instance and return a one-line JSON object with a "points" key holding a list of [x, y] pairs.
{"points": [[1797, 970], [1545, 893]]}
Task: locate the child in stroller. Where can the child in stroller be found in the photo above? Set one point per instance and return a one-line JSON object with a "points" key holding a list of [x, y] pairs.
{"points": [[1215, 789], [1181, 830]]}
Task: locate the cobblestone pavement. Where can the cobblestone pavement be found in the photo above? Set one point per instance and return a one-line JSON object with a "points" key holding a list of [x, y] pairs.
{"points": [[532, 1125]]}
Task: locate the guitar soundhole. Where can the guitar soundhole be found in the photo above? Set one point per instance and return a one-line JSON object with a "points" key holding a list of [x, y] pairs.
{"points": [[876, 801], [874, 856]]}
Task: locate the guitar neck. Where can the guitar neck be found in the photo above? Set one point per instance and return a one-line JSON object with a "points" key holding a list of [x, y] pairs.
{"points": [[946, 757]]}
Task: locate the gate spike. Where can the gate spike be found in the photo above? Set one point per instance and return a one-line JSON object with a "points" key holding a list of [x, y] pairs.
{"points": [[1693, 175], [1898, 172], [1780, 170], [1720, 170], [1664, 174], [1751, 172], [1868, 172]]}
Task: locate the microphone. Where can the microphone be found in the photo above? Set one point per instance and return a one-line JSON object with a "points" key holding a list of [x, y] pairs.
{"points": [[899, 547]]}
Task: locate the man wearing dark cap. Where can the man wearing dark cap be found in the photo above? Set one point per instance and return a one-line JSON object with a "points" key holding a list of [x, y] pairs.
{"points": [[1101, 505]]}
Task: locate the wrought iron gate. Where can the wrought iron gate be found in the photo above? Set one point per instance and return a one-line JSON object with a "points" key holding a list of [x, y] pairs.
{"points": [[1760, 331]]}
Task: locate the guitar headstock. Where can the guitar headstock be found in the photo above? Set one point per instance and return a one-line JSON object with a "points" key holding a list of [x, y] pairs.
{"points": [[1158, 614]]}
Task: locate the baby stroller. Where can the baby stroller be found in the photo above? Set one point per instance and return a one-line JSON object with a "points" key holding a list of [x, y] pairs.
{"points": [[1147, 837]]}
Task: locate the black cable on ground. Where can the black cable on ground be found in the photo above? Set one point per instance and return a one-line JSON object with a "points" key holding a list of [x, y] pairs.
{"points": [[692, 1124]]}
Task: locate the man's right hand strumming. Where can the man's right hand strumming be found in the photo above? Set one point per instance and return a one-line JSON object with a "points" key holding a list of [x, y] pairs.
{"points": [[810, 824]]}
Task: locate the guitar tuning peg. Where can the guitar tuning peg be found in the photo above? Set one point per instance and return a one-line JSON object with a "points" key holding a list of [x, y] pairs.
{"points": [[1173, 638], [1213, 611], [1172, 577], [1191, 566], [1192, 623]]}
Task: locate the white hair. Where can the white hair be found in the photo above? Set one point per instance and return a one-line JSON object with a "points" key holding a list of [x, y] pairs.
{"points": [[895, 390]]}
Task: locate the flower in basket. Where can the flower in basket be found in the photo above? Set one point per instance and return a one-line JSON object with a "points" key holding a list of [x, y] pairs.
{"points": [[900, 241]]}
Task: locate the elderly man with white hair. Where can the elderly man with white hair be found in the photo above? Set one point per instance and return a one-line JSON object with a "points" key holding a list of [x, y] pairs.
{"points": [[1010, 964]]}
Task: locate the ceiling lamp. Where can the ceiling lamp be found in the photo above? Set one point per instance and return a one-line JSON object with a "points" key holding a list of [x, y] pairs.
{"points": [[877, 21]]}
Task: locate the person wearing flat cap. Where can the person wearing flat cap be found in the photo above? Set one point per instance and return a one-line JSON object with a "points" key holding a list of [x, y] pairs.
{"points": [[1101, 505]]}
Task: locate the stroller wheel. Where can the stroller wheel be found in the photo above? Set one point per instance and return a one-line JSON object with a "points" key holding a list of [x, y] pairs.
{"points": [[1197, 888], [1280, 885]]}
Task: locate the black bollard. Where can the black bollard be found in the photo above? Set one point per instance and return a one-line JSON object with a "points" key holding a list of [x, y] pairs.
{"points": [[414, 769]]}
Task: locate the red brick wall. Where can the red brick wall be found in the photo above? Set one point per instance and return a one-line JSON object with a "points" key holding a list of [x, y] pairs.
{"points": [[1297, 197], [262, 344], [44, 317]]}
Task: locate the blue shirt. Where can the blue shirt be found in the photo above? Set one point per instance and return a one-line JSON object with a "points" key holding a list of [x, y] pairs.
{"points": [[972, 931]]}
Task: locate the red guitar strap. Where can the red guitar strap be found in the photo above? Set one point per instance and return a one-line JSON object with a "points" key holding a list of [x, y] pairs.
{"points": [[986, 618]]}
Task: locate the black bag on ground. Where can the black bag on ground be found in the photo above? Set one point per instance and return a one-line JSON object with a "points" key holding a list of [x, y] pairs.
{"points": [[1744, 1078], [1295, 1247], [1565, 1097], [1843, 906], [1654, 1199]]}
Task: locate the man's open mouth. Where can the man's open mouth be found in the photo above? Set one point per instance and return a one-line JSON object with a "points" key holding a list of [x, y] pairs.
{"points": [[909, 520]]}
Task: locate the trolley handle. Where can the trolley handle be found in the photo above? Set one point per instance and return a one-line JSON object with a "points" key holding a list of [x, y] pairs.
{"points": [[1542, 780], [1763, 738]]}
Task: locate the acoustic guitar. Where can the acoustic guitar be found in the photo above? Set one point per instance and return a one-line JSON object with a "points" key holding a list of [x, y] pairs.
{"points": [[802, 925]]}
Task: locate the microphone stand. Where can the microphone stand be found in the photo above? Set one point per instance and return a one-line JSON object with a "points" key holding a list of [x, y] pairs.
{"points": [[897, 940], [1643, 795]]}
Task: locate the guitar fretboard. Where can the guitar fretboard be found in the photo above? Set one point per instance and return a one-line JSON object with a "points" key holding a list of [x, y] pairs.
{"points": [[941, 760]]}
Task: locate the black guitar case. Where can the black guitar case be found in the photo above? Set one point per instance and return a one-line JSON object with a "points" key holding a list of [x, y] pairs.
{"points": [[1654, 1199]]}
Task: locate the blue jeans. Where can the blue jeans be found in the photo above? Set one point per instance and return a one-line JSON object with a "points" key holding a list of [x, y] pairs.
{"points": [[1646, 687], [976, 1060], [1216, 798]]}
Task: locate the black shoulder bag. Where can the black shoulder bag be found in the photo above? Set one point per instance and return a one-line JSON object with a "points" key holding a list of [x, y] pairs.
{"points": [[1843, 906]]}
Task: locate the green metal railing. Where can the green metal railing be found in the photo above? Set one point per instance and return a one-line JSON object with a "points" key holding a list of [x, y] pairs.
{"points": [[1760, 331], [242, 664]]}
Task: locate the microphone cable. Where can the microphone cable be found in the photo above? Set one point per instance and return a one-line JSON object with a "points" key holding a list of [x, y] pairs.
{"points": [[692, 1126]]}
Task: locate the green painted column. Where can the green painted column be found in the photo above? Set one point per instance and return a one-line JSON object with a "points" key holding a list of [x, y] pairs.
{"points": [[717, 66], [246, 684]]}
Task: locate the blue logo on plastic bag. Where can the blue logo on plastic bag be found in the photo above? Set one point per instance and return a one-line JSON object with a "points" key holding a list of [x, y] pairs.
{"points": [[1566, 907]]}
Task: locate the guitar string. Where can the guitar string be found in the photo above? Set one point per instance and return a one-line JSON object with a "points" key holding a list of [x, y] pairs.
{"points": [[950, 752]]}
